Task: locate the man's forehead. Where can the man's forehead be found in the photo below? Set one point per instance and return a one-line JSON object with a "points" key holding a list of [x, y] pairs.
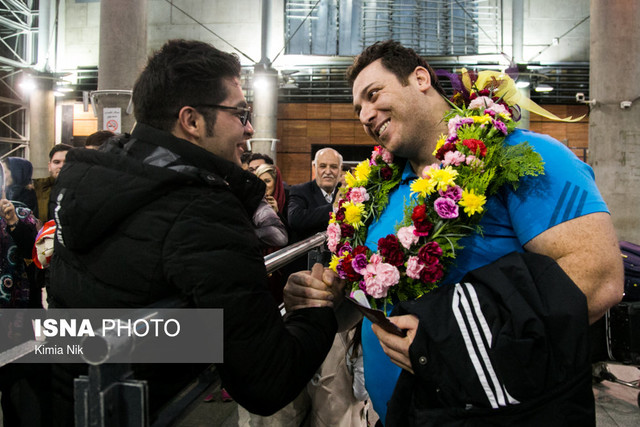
{"points": [[60, 155], [328, 157], [235, 96], [369, 75]]}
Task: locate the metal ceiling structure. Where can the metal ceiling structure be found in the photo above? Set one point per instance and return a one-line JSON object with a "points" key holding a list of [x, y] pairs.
{"points": [[18, 29]]}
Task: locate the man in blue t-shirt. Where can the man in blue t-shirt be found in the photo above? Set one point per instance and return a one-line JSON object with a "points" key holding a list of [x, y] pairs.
{"points": [[561, 214]]}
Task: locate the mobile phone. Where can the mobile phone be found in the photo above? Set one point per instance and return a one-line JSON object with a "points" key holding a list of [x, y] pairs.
{"points": [[378, 317]]}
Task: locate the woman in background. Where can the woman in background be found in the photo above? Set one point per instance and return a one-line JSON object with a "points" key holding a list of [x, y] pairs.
{"points": [[25, 388], [17, 183]]}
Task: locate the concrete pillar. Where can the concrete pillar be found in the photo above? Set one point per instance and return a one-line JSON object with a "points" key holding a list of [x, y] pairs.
{"points": [[41, 126], [614, 132], [265, 93], [265, 111], [41, 121], [123, 54], [517, 30]]}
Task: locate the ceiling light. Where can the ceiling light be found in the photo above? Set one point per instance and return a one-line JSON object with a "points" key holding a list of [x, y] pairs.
{"points": [[27, 85], [521, 84], [543, 88]]}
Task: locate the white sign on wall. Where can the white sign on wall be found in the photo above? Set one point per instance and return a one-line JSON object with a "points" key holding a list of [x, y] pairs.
{"points": [[112, 120]]}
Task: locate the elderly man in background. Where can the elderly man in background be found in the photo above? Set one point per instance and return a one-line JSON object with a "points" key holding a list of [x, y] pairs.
{"points": [[311, 203]]}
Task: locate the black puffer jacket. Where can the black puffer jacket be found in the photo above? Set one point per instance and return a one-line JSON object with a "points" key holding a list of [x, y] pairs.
{"points": [[150, 216]]}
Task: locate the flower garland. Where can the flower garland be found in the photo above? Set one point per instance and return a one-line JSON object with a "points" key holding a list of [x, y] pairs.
{"points": [[448, 201]]}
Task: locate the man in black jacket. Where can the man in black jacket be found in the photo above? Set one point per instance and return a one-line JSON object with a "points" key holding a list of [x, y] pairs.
{"points": [[311, 203], [166, 211]]}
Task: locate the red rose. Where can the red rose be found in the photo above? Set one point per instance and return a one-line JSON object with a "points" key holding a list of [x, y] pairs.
{"points": [[474, 145], [346, 230], [433, 248], [444, 150], [386, 173], [340, 215], [431, 273], [426, 258], [348, 269], [359, 250], [420, 220], [389, 248], [419, 213]]}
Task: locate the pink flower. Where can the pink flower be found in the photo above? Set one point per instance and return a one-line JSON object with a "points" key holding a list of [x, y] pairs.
{"points": [[499, 109], [345, 248], [481, 102], [474, 162], [359, 263], [333, 236], [454, 193], [446, 208], [453, 158], [407, 237], [414, 267], [378, 285], [500, 126], [358, 195], [375, 259], [386, 155], [455, 123]]}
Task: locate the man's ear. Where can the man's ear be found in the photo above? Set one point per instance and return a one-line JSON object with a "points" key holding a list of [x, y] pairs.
{"points": [[423, 78], [187, 125]]}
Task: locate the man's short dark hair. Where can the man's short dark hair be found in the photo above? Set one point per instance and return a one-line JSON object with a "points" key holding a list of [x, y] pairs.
{"points": [[400, 60], [59, 147], [259, 156], [245, 158], [182, 72], [96, 139]]}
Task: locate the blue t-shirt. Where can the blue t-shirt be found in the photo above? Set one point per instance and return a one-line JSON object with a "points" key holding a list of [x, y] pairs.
{"points": [[566, 191]]}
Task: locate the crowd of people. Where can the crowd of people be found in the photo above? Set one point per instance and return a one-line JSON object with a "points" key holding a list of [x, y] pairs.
{"points": [[191, 214]]}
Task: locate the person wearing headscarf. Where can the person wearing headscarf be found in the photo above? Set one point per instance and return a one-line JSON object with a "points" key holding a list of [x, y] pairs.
{"points": [[18, 184]]}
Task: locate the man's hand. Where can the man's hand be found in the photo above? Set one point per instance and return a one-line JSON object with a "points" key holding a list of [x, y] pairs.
{"points": [[8, 212], [397, 348], [315, 288]]}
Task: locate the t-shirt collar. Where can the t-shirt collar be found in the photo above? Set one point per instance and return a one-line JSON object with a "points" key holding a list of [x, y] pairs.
{"points": [[408, 174]]}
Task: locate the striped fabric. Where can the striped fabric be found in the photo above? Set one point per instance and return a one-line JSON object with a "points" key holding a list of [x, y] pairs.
{"points": [[477, 339]]}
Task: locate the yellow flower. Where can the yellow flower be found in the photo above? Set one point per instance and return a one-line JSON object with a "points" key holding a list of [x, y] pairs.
{"points": [[353, 214], [335, 260], [482, 119], [472, 202], [423, 187], [350, 180], [440, 143], [443, 178], [362, 172], [505, 116]]}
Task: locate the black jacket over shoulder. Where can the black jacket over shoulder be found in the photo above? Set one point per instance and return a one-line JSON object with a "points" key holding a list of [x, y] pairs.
{"points": [[507, 346], [151, 216], [308, 210]]}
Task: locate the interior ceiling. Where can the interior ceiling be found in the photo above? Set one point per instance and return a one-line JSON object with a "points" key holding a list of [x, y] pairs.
{"points": [[324, 82]]}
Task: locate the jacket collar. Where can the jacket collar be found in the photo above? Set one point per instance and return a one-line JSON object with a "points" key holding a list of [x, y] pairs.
{"points": [[247, 187]]}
